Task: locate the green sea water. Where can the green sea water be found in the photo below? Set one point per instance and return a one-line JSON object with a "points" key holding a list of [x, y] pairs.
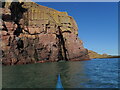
{"points": [[96, 73]]}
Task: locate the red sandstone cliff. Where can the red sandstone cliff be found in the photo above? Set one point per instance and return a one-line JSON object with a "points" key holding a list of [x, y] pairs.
{"points": [[31, 33]]}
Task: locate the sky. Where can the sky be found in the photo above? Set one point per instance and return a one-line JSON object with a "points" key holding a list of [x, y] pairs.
{"points": [[97, 23]]}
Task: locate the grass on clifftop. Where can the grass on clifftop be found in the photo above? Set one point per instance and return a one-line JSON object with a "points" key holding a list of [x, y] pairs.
{"points": [[93, 54]]}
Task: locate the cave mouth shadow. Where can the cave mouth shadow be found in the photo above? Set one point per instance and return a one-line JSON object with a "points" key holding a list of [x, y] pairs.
{"points": [[17, 11], [6, 17]]}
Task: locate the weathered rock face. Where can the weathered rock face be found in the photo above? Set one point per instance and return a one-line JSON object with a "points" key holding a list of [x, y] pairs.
{"points": [[31, 33]]}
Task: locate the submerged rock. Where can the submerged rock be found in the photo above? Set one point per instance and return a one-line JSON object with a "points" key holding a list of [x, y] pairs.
{"points": [[34, 33]]}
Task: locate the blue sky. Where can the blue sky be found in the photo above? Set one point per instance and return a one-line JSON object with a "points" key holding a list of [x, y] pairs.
{"points": [[97, 22]]}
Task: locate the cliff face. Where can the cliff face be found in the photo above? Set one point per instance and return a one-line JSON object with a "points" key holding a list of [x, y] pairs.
{"points": [[31, 33]]}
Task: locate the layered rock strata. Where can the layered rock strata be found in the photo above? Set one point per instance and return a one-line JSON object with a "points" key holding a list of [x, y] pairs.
{"points": [[31, 33]]}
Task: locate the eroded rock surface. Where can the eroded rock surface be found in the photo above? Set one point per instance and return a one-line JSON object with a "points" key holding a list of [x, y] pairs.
{"points": [[33, 33]]}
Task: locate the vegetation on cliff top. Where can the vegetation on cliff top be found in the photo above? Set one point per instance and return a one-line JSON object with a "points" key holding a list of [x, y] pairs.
{"points": [[93, 54]]}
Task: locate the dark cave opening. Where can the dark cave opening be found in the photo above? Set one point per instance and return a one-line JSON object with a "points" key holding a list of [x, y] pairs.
{"points": [[18, 31], [20, 44], [62, 54]]}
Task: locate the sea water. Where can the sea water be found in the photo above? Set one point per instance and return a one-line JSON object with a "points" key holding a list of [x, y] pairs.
{"points": [[95, 73]]}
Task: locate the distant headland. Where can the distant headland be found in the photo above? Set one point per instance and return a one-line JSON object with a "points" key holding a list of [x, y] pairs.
{"points": [[93, 55]]}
